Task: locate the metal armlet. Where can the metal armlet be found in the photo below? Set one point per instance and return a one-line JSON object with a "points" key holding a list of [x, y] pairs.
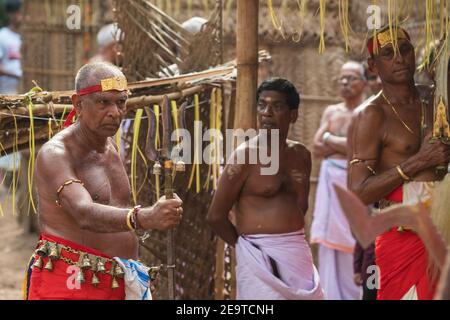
{"points": [[65, 184], [355, 161]]}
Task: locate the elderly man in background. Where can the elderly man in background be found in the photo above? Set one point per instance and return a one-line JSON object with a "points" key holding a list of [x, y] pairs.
{"points": [[108, 39], [364, 259], [330, 228]]}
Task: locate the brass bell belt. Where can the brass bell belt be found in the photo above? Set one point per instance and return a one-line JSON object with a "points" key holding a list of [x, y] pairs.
{"points": [[86, 262]]}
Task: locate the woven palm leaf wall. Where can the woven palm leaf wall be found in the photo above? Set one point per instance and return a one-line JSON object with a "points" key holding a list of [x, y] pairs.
{"points": [[52, 53]]}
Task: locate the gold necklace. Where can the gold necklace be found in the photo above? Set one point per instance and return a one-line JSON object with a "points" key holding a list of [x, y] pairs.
{"points": [[398, 116]]}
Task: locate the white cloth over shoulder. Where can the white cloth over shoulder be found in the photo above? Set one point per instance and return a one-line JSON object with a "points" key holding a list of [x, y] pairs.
{"points": [[261, 257], [136, 280]]}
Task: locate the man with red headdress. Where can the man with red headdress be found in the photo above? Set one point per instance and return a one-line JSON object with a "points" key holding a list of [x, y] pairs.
{"points": [[392, 161], [87, 242]]}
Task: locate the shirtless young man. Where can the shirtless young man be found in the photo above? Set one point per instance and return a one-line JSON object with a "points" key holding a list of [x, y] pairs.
{"points": [[84, 198], [330, 228], [392, 161], [273, 258]]}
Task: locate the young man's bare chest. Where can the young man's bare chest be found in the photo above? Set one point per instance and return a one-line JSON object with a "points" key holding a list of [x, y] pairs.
{"points": [[290, 177]]}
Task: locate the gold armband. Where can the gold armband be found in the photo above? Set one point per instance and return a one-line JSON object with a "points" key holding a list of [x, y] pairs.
{"points": [[355, 161], [402, 174], [65, 184]]}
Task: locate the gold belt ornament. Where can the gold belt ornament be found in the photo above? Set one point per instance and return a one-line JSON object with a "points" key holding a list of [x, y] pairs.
{"points": [[86, 262]]}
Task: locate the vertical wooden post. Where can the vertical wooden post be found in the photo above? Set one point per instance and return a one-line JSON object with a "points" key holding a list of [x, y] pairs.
{"points": [[247, 63]]}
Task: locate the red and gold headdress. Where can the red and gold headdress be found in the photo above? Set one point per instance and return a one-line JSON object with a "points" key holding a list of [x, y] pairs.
{"points": [[384, 37], [115, 83], [109, 84]]}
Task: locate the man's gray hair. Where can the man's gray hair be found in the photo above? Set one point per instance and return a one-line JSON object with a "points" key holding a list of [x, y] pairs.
{"points": [[353, 65], [90, 74], [109, 34], [194, 25]]}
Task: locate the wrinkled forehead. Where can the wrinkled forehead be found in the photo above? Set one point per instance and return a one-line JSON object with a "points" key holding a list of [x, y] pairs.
{"points": [[351, 70], [110, 95]]}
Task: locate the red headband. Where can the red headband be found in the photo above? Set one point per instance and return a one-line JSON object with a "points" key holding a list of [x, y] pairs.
{"points": [[115, 83]]}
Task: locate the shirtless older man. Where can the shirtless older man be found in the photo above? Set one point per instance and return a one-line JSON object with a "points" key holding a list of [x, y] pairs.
{"points": [[273, 258], [392, 161], [84, 196], [330, 228]]}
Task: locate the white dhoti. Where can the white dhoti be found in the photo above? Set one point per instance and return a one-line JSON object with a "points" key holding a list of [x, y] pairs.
{"points": [[336, 274], [276, 267], [330, 229]]}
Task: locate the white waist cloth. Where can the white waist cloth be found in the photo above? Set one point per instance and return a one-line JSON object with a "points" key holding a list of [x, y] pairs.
{"points": [[261, 257], [136, 279], [416, 191], [330, 226]]}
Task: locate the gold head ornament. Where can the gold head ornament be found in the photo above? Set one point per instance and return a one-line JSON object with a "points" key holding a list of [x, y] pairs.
{"points": [[384, 38], [115, 83]]}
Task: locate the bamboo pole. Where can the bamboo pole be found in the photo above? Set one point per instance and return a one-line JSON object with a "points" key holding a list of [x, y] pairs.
{"points": [[41, 133], [139, 102], [247, 63], [132, 103]]}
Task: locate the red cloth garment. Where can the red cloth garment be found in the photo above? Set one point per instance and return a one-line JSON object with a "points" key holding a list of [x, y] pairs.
{"points": [[396, 195], [69, 119], [59, 284], [403, 261]]}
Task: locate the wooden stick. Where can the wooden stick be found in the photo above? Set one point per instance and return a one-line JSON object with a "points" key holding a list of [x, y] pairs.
{"points": [[64, 96], [152, 37], [139, 102], [23, 137], [168, 18], [216, 72], [132, 103], [38, 110], [168, 191], [247, 63]]}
